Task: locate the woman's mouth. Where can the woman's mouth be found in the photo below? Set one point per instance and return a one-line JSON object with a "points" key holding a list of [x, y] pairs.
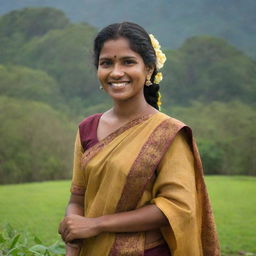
{"points": [[119, 85]]}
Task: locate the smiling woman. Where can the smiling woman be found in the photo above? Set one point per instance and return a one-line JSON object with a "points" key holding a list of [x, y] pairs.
{"points": [[122, 72], [137, 186]]}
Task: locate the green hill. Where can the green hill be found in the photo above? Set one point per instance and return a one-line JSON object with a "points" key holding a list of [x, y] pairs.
{"points": [[48, 84], [173, 21]]}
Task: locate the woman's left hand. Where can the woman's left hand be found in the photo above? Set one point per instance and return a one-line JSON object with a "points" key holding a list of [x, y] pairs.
{"points": [[78, 227]]}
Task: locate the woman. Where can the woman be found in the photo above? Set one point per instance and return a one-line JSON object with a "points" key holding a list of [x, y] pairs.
{"points": [[137, 185]]}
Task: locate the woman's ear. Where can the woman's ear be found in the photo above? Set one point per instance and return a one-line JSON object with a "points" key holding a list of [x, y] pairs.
{"points": [[150, 71]]}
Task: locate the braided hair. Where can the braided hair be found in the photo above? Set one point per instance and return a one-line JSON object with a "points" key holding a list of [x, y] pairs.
{"points": [[140, 43]]}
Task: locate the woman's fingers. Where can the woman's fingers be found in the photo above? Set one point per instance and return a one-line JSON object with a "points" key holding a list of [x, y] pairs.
{"points": [[68, 229], [69, 238], [60, 228], [63, 229], [78, 227]]}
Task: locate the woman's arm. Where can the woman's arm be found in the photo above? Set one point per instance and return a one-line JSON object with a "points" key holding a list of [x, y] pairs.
{"points": [[145, 218], [75, 207]]}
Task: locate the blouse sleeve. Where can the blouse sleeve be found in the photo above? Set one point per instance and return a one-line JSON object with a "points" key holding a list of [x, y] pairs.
{"points": [[174, 193], [78, 182]]}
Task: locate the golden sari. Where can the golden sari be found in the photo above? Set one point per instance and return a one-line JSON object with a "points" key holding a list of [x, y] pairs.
{"points": [[152, 159]]}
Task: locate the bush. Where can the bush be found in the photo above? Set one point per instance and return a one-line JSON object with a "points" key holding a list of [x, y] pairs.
{"points": [[36, 142], [15, 243], [225, 133], [212, 156]]}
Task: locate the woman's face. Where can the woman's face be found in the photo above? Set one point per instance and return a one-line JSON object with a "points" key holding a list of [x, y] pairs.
{"points": [[121, 71]]}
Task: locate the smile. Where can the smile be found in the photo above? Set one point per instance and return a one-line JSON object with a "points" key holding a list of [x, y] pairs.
{"points": [[119, 84]]}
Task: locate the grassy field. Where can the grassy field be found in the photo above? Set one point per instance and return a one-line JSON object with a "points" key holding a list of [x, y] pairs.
{"points": [[38, 208]]}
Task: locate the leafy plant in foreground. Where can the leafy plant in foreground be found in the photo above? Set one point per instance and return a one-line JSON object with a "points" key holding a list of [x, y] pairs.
{"points": [[14, 243]]}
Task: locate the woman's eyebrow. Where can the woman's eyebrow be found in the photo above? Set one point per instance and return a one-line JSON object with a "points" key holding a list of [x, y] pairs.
{"points": [[128, 57], [110, 57]]}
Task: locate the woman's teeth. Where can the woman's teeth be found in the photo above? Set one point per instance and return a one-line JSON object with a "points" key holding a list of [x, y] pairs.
{"points": [[119, 85]]}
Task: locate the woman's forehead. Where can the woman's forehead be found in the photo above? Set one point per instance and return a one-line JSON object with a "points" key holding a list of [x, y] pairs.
{"points": [[117, 48]]}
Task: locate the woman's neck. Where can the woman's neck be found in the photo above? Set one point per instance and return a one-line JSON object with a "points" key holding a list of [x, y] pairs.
{"points": [[128, 110]]}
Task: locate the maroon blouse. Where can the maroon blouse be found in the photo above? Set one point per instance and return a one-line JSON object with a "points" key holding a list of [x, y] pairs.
{"points": [[88, 131]]}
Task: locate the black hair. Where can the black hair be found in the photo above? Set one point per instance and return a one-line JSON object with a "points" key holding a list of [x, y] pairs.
{"points": [[140, 43]]}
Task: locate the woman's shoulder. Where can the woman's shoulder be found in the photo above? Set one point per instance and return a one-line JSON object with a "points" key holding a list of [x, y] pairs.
{"points": [[88, 130], [174, 127], [171, 120], [90, 120]]}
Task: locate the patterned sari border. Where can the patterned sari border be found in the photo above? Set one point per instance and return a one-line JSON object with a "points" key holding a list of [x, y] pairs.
{"points": [[140, 174], [77, 190], [94, 150]]}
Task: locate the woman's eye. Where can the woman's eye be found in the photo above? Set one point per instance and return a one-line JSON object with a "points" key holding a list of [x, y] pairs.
{"points": [[129, 62], [105, 63]]}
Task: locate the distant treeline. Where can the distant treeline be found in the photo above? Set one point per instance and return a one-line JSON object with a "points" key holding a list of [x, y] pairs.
{"points": [[48, 84], [172, 21]]}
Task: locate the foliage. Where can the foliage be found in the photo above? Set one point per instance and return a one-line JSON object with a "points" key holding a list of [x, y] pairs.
{"points": [[48, 75], [15, 243], [225, 132], [32, 21], [212, 156], [209, 69], [67, 56], [36, 142], [172, 21], [19, 26], [25, 83], [204, 68]]}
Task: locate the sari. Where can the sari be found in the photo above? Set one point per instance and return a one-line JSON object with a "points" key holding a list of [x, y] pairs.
{"points": [[150, 160]]}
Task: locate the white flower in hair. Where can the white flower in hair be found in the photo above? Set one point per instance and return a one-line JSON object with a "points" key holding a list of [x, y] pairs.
{"points": [[160, 58]]}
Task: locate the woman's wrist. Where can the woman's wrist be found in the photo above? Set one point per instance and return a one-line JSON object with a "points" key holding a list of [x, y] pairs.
{"points": [[102, 225]]}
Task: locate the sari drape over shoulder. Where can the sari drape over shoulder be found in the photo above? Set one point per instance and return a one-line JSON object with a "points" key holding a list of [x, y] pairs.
{"points": [[150, 160]]}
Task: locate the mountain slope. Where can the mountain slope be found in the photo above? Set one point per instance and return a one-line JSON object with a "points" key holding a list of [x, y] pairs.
{"points": [[171, 20]]}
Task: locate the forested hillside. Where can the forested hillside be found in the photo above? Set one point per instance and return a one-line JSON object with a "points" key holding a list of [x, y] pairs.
{"points": [[171, 20], [48, 84]]}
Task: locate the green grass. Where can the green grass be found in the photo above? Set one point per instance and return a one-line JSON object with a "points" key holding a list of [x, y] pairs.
{"points": [[234, 204], [35, 207], [39, 207]]}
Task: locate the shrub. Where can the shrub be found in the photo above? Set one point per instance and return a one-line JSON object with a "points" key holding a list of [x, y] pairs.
{"points": [[15, 243]]}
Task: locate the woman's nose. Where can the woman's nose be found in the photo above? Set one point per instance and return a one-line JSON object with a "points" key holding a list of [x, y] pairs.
{"points": [[117, 72]]}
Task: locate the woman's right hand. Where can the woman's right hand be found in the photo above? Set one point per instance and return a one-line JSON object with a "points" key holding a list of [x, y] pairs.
{"points": [[75, 206]]}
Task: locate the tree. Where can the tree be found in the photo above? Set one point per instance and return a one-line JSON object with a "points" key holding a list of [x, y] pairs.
{"points": [[19, 26], [36, 142], [209, 69], [32, 22], [67, 56], [225, 132], [25, 83]]}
